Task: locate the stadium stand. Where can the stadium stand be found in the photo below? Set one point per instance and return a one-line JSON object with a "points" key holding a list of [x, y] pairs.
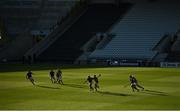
{"points": [[26, 20], [174, 53], [90, 30], [140, 30], [51, 12], [96, 18], [38, 15]]}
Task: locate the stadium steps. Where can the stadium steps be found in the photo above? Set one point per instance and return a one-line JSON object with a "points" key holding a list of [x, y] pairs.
{"points": [[140, 30], [174, 54], [97, 18]]}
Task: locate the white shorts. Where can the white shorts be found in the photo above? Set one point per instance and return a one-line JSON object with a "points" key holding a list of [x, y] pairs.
{"points": [[59, 78], [30, 78], [133, 84], [52, 78]]}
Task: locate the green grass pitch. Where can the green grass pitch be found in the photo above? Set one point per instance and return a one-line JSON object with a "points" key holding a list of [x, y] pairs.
{"points": [[162, 88]]}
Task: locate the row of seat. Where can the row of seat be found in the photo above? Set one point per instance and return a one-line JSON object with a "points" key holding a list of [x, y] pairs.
{"points": [[33, 14], [141, 29], [97, 18]]}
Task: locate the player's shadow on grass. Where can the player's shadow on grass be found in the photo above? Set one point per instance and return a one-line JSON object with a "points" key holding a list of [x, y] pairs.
{"points": [[113, 93], [153, 92], [75, 85], [48, 87]]}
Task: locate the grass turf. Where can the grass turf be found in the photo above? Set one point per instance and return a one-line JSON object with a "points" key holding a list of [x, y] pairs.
{"points": [[162, 88]]}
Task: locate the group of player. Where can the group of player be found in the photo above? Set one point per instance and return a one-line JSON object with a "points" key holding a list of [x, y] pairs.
{"points": [[58, 78], [93, 81]]}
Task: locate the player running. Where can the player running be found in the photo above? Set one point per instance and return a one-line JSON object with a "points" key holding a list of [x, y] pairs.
{"points": [[134, 83], [90, 80], [59, 77], [29, 77], [96, 85], [52, 77]]}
